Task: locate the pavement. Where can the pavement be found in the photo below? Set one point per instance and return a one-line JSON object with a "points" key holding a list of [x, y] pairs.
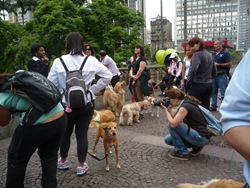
{"points": [[144, 161]]}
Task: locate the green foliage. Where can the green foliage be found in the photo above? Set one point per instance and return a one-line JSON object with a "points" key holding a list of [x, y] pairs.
{"points": [[106, 24], [236, 58]]}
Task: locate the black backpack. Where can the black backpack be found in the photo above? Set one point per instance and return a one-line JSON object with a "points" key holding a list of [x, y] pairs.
{"points": [[37, 90]]}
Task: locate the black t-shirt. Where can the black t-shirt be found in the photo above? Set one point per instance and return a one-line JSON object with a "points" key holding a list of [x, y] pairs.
{"points": [[136, 64], [195, 119]]}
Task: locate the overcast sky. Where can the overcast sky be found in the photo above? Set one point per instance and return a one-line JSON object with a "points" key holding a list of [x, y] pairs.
{"points": [[153, 8]]}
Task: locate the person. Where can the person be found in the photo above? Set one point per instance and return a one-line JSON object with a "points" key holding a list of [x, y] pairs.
{"points": [[138, 82], [191, 134], [201, 71], [89, 50], [222, 60], [163, 83], [185, 68], [39, 61], [112, 67], [79, 117], [44, 136], [235, 113], [174, 70]]}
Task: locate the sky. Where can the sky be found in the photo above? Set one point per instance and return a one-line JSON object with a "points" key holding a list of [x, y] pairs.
{"points": [[153, 8]]}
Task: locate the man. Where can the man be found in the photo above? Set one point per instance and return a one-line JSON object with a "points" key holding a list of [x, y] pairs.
{"points": [[222, 60], [112, 67]]}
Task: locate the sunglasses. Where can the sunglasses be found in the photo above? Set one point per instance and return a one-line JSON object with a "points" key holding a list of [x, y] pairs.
{"points": [[88, 49]]}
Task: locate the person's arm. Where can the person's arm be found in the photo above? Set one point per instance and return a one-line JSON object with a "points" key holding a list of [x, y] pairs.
{"points": [[140, 71], [177, 119], [183, 72], [238, 138]]}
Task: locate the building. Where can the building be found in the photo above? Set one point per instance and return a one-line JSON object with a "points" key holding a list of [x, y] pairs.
{"points": [[207, 19], [156, 39], [140, 5], [243, 42]]}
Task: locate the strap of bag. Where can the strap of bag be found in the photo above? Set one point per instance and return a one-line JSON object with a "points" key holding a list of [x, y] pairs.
{"points": [[83, 63], [65, 67]]}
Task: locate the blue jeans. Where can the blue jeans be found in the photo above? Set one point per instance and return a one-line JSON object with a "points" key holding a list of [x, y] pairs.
{"points": [[220, 81], [181, 139]]}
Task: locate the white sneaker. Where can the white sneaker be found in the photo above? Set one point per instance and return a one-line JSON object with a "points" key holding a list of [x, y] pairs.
{"points": [[82, 170], [62, 166]]}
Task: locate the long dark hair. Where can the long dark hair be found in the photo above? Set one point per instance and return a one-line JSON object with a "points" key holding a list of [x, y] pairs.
{"points": [[74, 44], [142, 52]]}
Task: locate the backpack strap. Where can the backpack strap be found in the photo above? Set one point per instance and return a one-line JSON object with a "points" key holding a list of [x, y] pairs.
{"points": [[83, 63], [65, 67]]}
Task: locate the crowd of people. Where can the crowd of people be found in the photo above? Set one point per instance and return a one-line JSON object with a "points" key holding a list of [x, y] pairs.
{"points": [[196, 78]]}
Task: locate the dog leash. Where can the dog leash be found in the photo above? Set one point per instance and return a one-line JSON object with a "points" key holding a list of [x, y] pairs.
{"points": [[110, 88], [97, 157]]}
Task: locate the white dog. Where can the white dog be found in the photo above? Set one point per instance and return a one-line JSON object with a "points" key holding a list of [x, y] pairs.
{"points": [[152, 107]]}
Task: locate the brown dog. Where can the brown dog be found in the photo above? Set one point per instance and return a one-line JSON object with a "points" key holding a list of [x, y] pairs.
{"points": [[133, 112], [115, 98], [109, 135], [101, 117], [214, 183]]}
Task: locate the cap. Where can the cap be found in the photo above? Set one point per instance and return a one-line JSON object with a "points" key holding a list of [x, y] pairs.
{"points": [[173, 55]]}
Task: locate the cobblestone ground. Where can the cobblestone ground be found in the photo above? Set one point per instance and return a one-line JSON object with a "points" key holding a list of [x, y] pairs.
{"points": [[142, 164]]}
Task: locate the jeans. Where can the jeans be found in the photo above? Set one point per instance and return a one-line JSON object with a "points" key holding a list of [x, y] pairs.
{"points": [[220, 81], [181, 139], [201, 91], [26, 140]]}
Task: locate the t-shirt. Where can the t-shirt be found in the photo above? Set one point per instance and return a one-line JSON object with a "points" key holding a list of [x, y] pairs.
{"points": [[195, 119]]}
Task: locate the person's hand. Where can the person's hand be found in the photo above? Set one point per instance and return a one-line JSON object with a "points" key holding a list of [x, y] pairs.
{"points": [[164, 107], [45, 60]]}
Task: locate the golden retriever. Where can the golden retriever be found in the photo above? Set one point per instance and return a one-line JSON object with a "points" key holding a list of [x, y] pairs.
{"points": [[214, 183], [115, 98], [108, 133], [101, 117], [132, 110]]}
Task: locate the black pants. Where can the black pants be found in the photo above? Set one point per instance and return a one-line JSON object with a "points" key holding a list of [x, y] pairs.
{"points": [[44, 137], [202, 92], [80, 119], [114, 80]]}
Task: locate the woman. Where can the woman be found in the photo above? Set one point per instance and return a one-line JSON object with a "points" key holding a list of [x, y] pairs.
{"points": [[79, 117], [174, 70], [185, 68], [89, 50], [201, 71], [44, 136], [139, 82], [192, 133], [39, 61]]}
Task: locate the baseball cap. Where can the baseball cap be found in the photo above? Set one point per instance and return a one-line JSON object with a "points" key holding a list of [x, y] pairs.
{"points": [[173, 55]]}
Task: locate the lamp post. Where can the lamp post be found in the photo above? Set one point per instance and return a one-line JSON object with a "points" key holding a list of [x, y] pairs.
{"points": [[162, 41], [185, 20]]}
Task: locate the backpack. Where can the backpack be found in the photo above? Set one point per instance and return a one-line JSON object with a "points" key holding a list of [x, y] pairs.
{"points": [[214, 126], [76, 91], [37, 90], [146, 73]]}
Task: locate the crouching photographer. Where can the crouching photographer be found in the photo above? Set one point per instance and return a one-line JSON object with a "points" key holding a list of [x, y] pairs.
{"points": [[191, 134]]}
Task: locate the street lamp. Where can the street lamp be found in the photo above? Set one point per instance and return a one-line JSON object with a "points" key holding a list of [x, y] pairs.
{"points": [[162, 41]]}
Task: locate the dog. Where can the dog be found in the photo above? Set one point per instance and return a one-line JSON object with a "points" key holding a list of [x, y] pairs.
{"points": [[108, 133], [115, 98], [214, 183], [132, 110], [152, 107], [101, 117]]}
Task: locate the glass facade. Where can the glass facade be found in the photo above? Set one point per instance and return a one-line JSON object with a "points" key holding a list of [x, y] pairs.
{"points": [[208, 19]]}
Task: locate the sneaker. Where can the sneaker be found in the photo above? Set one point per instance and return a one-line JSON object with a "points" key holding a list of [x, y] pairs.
{"points": [[196, 151], [179, 156], [212, 109], [62, 165], [82, 170]]}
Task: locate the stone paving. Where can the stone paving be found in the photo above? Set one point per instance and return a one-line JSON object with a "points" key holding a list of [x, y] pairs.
{"points": [[144, 161]]}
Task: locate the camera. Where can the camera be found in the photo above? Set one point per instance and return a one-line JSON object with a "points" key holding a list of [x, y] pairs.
{"points": [[164, 102]]}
